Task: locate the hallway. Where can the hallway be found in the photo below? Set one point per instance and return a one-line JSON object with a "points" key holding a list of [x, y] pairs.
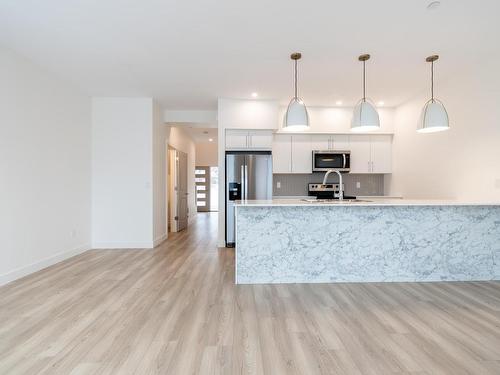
{"points": [[176, 310]]}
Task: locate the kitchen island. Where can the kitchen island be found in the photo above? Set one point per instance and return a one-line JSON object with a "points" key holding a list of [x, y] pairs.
{"points": [[294, 241]]}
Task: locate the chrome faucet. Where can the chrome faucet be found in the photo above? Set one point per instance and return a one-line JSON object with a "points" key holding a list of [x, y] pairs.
{"points": [[341, 185]]}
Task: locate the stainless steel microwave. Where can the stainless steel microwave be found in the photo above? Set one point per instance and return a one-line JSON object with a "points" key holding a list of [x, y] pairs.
{"points": [[336, 160]]}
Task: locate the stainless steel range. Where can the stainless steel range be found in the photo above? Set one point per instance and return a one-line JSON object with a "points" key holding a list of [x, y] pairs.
{"points": [[326, 191]]}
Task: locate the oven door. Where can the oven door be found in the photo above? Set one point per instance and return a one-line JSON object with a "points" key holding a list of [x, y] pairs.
{"points": [[336, 160]]}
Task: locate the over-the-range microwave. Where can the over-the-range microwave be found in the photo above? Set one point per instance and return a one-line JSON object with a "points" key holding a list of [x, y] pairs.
{"points": [[326, 160]]}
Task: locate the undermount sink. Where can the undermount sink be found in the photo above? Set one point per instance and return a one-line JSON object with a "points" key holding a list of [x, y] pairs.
{"points": [[335, 201]]}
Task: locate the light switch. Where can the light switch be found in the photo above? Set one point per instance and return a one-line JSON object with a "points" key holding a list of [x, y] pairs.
{"points": [[497, 183], [278, 185], [358, 185]]}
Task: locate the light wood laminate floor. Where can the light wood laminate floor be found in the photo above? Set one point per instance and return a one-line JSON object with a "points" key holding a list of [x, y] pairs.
{"points": [[176, 310]]}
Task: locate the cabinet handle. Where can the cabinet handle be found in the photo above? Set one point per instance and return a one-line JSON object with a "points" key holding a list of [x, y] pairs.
{"points": [[372, 167], [369, 167]]}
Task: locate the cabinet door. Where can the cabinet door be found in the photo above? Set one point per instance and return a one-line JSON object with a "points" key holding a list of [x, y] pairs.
{"points": [[236, 139], [301, 153], [282, 153], [381, 153], [340, 142], [320, 142], [260, 140], [360, 153]]}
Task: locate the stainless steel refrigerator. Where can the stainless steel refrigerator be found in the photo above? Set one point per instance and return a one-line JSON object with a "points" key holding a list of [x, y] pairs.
{"points": [[249, 175]]}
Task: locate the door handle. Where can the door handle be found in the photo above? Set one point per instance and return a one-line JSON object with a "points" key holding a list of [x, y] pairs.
{"points": [[246, 182], [243, 182]]}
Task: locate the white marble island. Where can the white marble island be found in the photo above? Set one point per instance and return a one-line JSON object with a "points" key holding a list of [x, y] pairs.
{"points": [[293, 241]]}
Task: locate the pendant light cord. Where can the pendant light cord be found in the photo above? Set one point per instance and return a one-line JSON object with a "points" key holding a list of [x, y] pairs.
{"points": [[432, 81], [364, 81], [295, 81]]}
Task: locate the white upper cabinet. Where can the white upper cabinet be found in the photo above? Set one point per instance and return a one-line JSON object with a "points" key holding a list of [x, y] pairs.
{"points": [[260, 139], [381, 154], [282, 153], [360, 154], [325, 142], [371, 154], [249, 139], [340, 142], [321, 142], [236, 140], [301, 153]]}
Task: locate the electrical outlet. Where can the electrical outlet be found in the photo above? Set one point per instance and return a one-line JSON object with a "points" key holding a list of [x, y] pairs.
{"points": [[358, 185], [278, 185]]}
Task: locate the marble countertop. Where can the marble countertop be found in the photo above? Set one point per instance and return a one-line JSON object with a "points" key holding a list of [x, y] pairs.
{"points": [[365, 201]]}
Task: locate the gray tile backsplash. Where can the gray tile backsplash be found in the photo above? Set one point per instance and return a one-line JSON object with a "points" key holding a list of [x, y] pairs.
{"points": [[296, 184]]}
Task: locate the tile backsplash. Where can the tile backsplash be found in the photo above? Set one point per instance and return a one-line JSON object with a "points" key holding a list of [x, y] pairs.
{"points": [[296, 184]]}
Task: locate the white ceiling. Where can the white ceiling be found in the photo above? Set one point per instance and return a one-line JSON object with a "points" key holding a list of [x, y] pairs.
{"points": [[197, 132], [189, 53]]}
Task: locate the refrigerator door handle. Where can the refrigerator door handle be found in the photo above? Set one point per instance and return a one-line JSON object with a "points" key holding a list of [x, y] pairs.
{"points": [[243, 182], [246, 182]]}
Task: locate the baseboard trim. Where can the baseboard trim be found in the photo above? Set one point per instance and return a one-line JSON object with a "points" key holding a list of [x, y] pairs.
{"points": [[159, 240], [41, 264], [123, 245]]}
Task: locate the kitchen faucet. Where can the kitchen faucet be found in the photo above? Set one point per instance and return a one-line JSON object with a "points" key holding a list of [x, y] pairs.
{"points": [[341, 185]]}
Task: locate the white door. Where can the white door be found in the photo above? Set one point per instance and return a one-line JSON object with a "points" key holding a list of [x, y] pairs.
{"points": [[381, 153], [260, 140], [360, 153], [236, 140], [321, 142], [301, 153], [182, 191], [282, 153], [340, 142]]}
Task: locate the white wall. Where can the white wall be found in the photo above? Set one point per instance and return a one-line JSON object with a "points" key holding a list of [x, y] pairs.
{"points": [[206, 154], [160, 195], [461, 163], [44, 168], [181, 141], [122, 172]]}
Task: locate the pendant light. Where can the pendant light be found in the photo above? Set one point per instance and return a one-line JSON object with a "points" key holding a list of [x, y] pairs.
{"points": [[296, 117], [365, 116], [434, 117]]}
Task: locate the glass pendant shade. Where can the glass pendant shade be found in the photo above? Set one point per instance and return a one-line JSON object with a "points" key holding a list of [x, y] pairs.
{"points": [[296, 117], [433, 118], [365, 117]]}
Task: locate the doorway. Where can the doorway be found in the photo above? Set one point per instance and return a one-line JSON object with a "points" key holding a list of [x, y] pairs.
{"points": [[178, 190], [207, 188]]}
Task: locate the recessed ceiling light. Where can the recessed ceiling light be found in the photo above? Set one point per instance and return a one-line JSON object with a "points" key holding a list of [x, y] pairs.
{"points": [[210, 139], [338, 102], [254, 94], [381, 103], [433, 5]]}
